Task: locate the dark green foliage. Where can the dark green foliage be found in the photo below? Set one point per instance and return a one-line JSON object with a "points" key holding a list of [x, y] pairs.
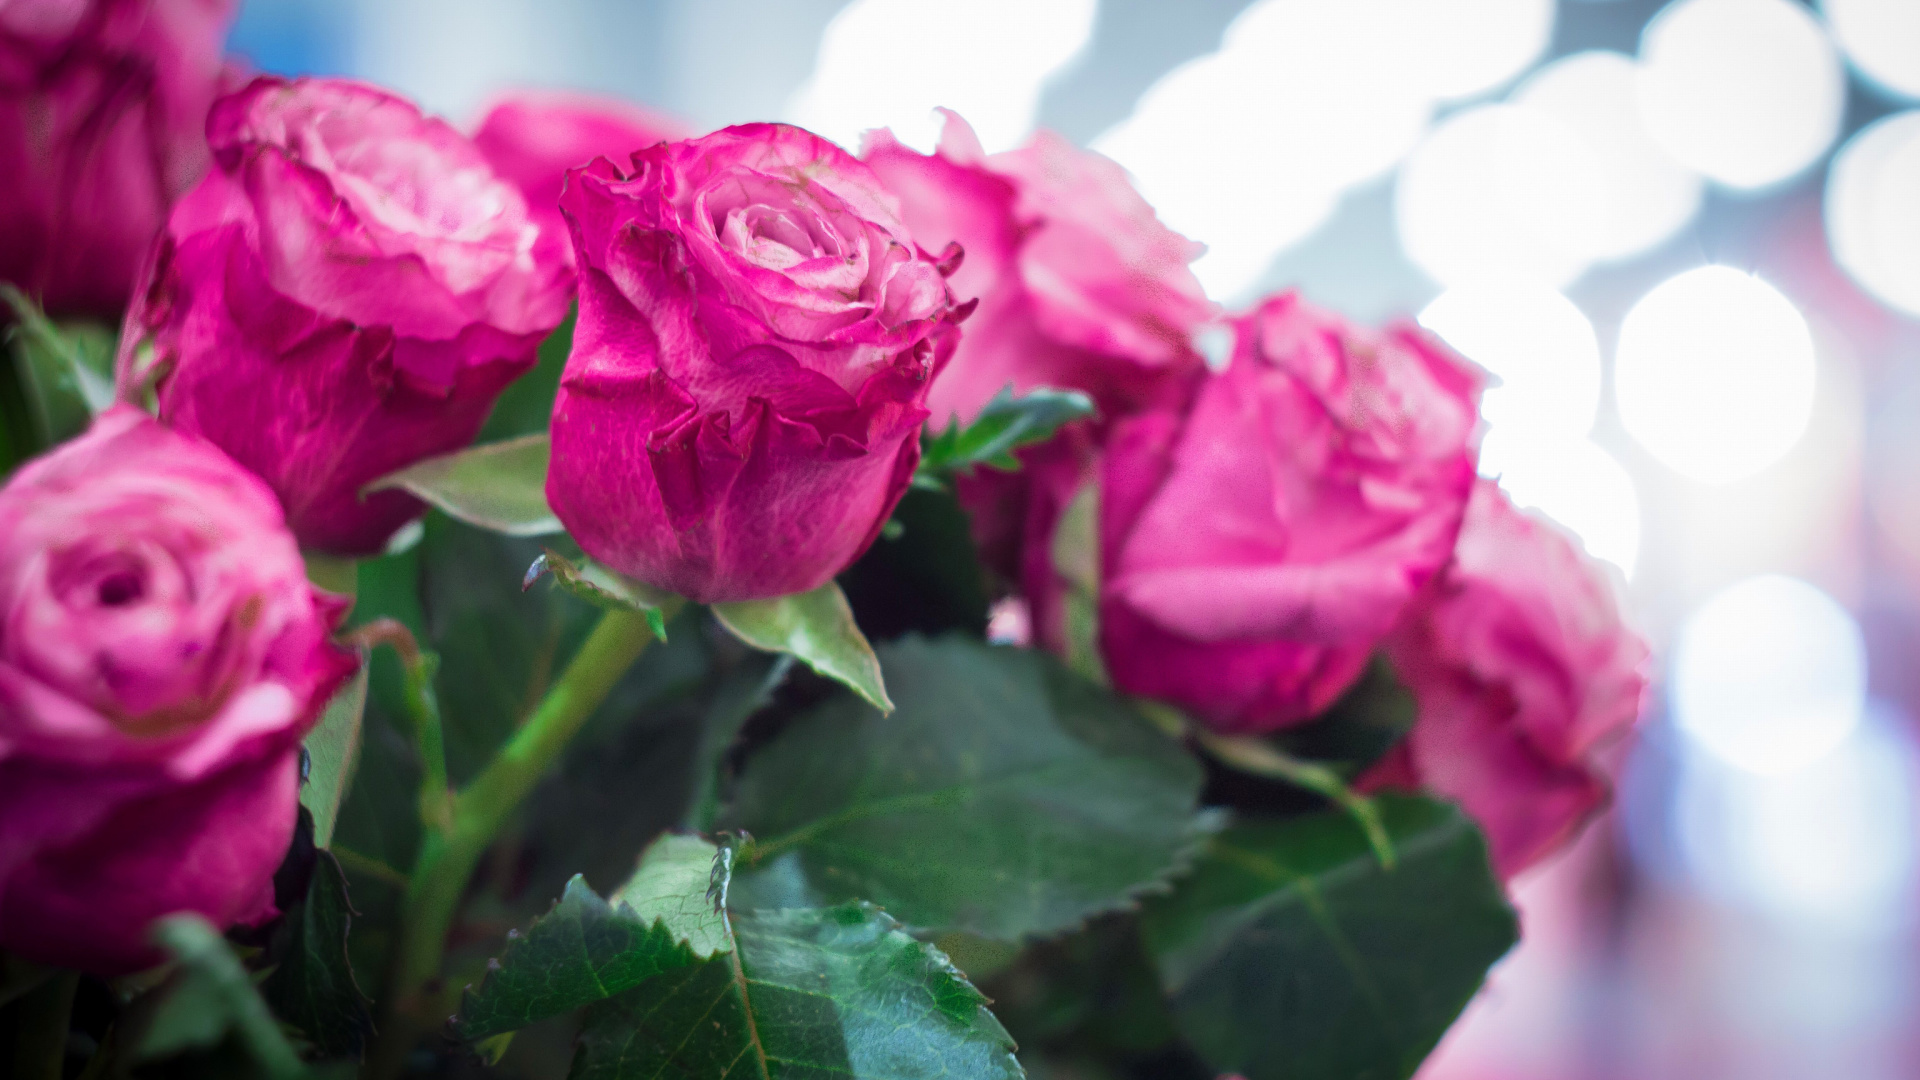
{"points": [[499, 647], [1089, 1004], [1360, 728], [57, 377], [1004, 425], [1290, 954], [681, 985], [927, 578], [1005, 796], [812, 993], [584, 950], [209, 1006], [313, 987]]}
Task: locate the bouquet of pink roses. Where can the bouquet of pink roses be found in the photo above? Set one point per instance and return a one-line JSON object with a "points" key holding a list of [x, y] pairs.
{"points": [[575, 599]]}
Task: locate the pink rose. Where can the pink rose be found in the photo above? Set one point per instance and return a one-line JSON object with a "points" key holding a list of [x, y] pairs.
{"points": [[1258, 543], [1080, 286], [533, 137], [103, 107], [743, 404], [1522, 665], [1014, 517], [347, 293], [161, 656]]}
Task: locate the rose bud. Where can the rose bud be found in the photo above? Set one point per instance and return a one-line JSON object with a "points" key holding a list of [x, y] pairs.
{"points": [[742, 407], [532, 137], [161, 656], [103, 107], [1257, 544], [346, 293], [1522, 666], [1080, 286]]}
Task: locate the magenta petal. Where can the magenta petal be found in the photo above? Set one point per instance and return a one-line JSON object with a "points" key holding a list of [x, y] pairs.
{"points": [[737, 421], [1261, 539]]}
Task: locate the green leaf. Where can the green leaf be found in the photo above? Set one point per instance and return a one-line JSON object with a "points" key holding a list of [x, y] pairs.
{"points": [[587, 950], [928, 578], [313, 988], [1075, 553], [1003, 426], [498, 486], [1005, 797], [500, 646], [527, 405], [65, 372], [684, 986], [209, 997], [817, 628], [333, 751], [803, 994], [604, 588], [1092, 997], [739, 695], [1360, 728], [1290, 954]]}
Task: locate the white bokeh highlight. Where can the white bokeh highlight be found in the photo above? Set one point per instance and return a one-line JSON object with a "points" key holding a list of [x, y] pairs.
{"points": [[1882, 38], [1250, 148], [891, 63], [1577, 484], [1714, 374], [1536, 343], [1873, 209], [1746, 92], [1499, 190], [1643, 196], [1769, 675], [1829, 844], [1545, 359]]}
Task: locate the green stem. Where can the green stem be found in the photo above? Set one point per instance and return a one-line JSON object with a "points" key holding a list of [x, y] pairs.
{"points": [[40, 1028], [1263, 759], [448, 857], [436, 795], [418, 668]]}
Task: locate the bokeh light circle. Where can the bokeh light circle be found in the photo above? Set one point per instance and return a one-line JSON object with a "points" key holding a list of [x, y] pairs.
{"points": [[1575, 483], [1536, 342], [1714, 374], [891, 63], [1873, 209], [1645, 195], [1769, 675], [1496, 191], [1467, 47], [1882, 38], [1746, 92]]}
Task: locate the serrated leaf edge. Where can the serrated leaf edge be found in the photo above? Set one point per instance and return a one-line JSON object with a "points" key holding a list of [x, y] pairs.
{"points": [[576, 887]]}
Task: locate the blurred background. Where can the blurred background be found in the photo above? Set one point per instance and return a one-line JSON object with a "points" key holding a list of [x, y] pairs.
{"points": [[1685, 235]]}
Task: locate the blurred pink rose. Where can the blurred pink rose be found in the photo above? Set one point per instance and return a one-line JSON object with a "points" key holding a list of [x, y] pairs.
{"points": [[743, 404], [161, 656], [1522, 665], [532, 137], [103, 107], [347, 293], [1258, 543], [1080, 286], [1014, 517]]}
